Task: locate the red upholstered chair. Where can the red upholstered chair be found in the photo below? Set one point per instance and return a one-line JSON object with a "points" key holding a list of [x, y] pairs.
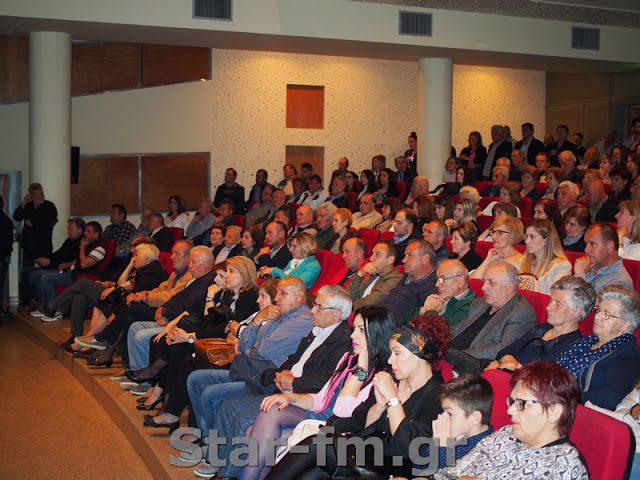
{"points": [[110, 246], [387, 235], [475, 284], [447, 242], [484, 222], [370, 236], [633, 267], [165, 259], [446, 369], [295, 207], [485, 201], [400, 268], [541, 186], [607, 445], [324, 257], [483, 185], [482, 248], [455, 198], [526, 207], [520, 248], [571, 256], [336, 266], [586, 325], [177, 233], [607, 188], [500, 382], [539, 302], [525, 222], [353, 198], [239, 219], [401, 185]]}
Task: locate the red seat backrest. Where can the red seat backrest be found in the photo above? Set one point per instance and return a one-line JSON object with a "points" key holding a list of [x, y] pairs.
{"points": [[483, 185], [475, 284], [110, 246], [370, 236], [165, 259], [633, 267], [387, 235], [335, 265], [485, 201], [239, 219], [525, 222], [526, 207], [607, 188], [324, 257], [401, 185], [177, 233], [484, 222], [447, 242], [541, 186], [605, 443], [539, 302], [500, 382], [482, 248], [571, 256], [400, 268], [353, 198], [446, 369], [586, 325], [520, 248]]}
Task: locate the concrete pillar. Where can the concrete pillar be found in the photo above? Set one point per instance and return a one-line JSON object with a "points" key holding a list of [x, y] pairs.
{"points": [[50, 121], [435, 87]]}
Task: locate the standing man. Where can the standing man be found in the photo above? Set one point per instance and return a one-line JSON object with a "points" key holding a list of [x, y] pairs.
{"points": [[634, 139], [499, 148], [39, 217], [232, 191], [529, 145]]}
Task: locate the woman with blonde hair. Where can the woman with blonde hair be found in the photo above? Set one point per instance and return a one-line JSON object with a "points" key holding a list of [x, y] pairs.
{"points": [[544, 259], [464, 211], [341, 225], [628, 219], [303, 265], [506, 232]]}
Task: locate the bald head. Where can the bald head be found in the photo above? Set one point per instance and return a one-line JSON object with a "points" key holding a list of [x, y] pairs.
{"points": [[420, 186], [304, 215], [291, 293]]}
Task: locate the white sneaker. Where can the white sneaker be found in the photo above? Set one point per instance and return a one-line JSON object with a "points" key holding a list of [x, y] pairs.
{"points": [[56, 316], [120, 377], [139, 390], [128, 385], [37, 313]]}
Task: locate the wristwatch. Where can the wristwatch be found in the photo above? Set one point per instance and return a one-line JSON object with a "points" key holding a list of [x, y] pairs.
{"points": [[393, 402], [192, 338], [360, 373]]}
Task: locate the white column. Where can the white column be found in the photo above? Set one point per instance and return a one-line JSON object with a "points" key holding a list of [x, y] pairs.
{"points": [[435, 87], [50, 121]]}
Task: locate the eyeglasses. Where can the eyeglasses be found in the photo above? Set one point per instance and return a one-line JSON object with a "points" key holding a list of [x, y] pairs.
{"points": [[444, 279], [606, 315], [322, 307], [497, 233], [520, 403]]}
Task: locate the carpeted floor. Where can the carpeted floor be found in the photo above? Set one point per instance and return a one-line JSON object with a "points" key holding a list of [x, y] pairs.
{"points": [[51, 426]]}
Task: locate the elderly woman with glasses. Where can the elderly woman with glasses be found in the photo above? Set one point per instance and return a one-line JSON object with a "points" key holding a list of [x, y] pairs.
{"points": [[607, 363], [303, 264], [571, 300], [506, 232], [542, 407]]}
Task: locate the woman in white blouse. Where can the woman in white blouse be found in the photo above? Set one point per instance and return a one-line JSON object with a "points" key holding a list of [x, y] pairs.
{"points": [[628, 219], [177, 216]]}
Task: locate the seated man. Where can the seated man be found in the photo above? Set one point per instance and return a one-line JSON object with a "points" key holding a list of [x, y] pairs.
{"points": [[120, 230], [569, 164], [298, 190], [91, 254], [260, 211], [285, 215], [601, 266], [417, 283], [404, 173], [542, 164], [226, 211], [354, 253], [435, 233], [316, 195], [602, 206], [567, 195], [261, 181], [406, 229], [232, 245], [289, 172], [367, 217], [494, 321], [159, 232], [216, 238], [232, 191], [304, 221], [143, 230], [60, 259], [454, 296], [499, 178], [275, 252], [278, 199], [201, 222], [419, 188], [324, 219], [375, 279], [338, 197]]}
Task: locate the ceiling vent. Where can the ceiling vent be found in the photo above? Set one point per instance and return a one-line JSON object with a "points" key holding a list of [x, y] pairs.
{"points": [[585, 38], [212, 9], [412, 23]]}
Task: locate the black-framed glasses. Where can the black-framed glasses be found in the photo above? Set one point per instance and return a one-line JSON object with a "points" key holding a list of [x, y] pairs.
{"points": [[520, 403], [322, 307], [606, 315], [444, 279], [497, 233]]}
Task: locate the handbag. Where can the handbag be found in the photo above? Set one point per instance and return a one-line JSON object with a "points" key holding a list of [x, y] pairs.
{"points": [[528, 281], [215, 350], [115, 297]]}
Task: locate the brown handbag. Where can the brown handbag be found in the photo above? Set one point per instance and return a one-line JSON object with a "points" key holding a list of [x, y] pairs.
{"points": [[215, 350]]}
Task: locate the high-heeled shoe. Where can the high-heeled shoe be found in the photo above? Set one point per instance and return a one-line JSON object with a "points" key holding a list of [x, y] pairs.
{"points": [[150, 422], [96, 362], [131, 375], [141, 400], [152, 405], [84, 353]]}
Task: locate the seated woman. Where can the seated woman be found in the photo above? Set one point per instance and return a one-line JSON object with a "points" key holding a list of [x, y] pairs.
{"points": [[506, 233], [472, 194], [544, 259], [175, 344], [605, 168], [546, 209], [450, 170], [530, 177], [423, 206], [572, 299], [177, 216], [303, 264], [144, 273], [463, 242], [542, 406], [464, 211], [444, 208], [341, 225], [349, 386], [555, 175], [607, 363], [576, 221], [628, 219], [500, 209], [633, 164], [252, 241], [395, 413], [390, 206], [388, 188], [351, 178], [368, 184], [509, 193], [621, 181]]}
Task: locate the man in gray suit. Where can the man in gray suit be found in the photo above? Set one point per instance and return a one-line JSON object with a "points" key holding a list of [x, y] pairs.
{"points": [[494, 321]]}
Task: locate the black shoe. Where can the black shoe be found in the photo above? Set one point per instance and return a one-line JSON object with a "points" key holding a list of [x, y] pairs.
{"points": [[96, 362], [131, 375], [150, 422], [152, 406]]}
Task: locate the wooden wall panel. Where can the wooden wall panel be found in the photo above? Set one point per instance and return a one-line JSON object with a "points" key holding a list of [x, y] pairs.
{"points": [[298, 154], [100, 67], [185, 175], [164, 64], [104, 181], [14, 68], [305, 106]]}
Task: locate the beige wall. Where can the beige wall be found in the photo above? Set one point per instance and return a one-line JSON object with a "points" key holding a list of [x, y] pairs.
{"points": [[239, 116]]}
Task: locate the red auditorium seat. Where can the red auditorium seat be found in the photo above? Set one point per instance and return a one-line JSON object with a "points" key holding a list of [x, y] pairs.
{"points": [[401, 185], [500, 382], [387, 235], [111, 249], [482, 248], [571, 256], [336, 266], [353, 198], [475, 284], [520, 248], [370, 236], [541, 186], [177, 233], [526, 207], [633, 267], [586, 325], [483, 185], [165, 259], [324, 257], [538, 301], [239, 219], [485, 201], [484, 222]]}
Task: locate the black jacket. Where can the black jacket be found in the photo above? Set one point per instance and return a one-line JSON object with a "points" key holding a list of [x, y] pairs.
{"points": [[280, 259], [164, 239], [535, 147]]}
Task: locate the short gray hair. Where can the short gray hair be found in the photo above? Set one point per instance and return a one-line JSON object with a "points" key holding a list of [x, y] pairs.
{"points": [[338, 299], [573, 188], [203, 253], [583, 294], [628, 300], [148, 252], [511, 273], [328, 206]]}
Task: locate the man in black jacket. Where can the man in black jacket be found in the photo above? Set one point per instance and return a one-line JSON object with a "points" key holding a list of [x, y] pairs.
{"points": [[275, 252], [529, 145], [499, 148], [159, 233]]}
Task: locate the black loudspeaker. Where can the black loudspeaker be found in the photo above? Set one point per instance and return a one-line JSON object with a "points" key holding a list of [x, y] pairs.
{"points": [[75, 164]]}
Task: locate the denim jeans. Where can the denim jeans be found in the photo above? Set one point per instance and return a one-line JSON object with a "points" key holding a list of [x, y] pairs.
{"points": [[138, 338], [207, 390], [49, 279]]}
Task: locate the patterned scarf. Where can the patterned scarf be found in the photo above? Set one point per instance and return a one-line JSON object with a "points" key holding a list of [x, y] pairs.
{"points": [[580, 356]]}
